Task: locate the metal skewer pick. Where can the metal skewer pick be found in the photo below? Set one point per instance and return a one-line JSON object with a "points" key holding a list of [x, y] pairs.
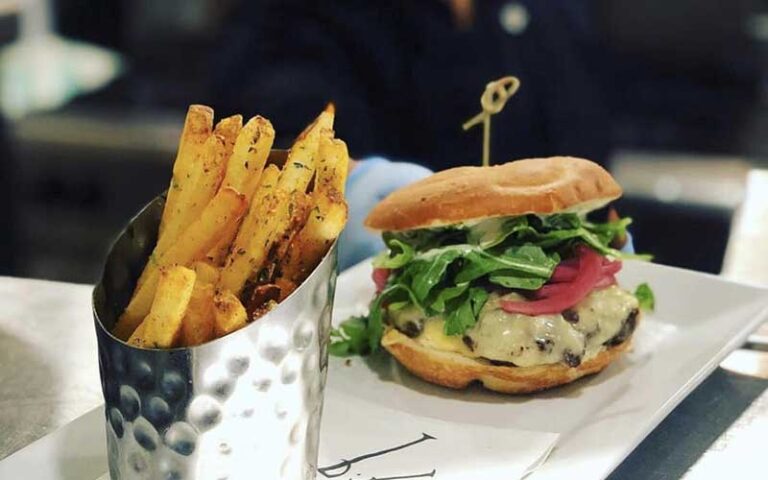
{"points": [[492, 101]]}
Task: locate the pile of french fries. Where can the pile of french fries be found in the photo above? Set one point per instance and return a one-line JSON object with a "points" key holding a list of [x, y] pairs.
{"points": [[237, 234]]}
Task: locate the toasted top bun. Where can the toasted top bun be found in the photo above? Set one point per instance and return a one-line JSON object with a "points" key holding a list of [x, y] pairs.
{"points": [[536, 185]]}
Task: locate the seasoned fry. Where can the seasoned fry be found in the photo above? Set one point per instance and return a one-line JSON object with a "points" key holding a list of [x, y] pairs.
{"points": [[205, 180], [197, 128], [229, 313], [226, 208], [249, 253], [333, 166], [259, 210], [197, 326], [325, 222], [311, 243], [161, 327], [300, 164], [296, 175], [261, 299], [299, 216], [244, 171], [229, 129], [236, 235], [138, 336], [249, 156], [206, 273], [280, 248]]}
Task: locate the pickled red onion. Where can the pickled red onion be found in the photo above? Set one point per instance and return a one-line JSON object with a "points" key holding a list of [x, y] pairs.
{"points": [[380, 277], [605, 281], [567, 270], [590, 272]]}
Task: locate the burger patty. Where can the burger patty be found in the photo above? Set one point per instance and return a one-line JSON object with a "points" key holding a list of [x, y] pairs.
{"points": [[605, 317]]}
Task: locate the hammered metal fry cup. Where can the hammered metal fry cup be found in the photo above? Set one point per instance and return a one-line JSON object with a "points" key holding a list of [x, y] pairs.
{"points": [[244, 406]]}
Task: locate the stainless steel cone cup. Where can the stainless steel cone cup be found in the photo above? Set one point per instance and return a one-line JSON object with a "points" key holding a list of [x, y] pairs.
{"points": [[244, 406]]}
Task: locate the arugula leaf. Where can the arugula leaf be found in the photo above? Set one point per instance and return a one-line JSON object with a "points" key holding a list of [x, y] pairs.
{"points": [[609, 230], [512, 279], [478, 297], [449, 293], [645, 296], [552, 231], [424, 239], [428, 273], [400, 253], [560, 221], [494, 231], [351, 338], [527, 260], [464, 310], [397, 293], [445, 271]]}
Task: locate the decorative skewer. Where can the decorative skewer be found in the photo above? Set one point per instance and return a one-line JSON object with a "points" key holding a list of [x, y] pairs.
{"points": [[492, 101]]}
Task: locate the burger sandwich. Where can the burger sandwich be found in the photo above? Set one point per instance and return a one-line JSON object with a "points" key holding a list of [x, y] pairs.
{"points": [[494, 275]]}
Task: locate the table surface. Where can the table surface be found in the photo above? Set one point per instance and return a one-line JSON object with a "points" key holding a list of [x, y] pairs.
{"points": [[49, 376]]}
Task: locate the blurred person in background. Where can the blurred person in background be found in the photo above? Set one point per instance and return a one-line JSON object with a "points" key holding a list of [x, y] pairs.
{"points": [[682, 76], [405, 75]]}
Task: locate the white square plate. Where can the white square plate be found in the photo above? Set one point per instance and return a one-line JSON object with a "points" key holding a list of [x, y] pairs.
{"points": [[372, 403], [699, 319]]}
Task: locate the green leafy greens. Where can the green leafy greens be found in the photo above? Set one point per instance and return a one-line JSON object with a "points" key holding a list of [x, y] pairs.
{"points": [[448, 271], [351, 338], [645, 296]]}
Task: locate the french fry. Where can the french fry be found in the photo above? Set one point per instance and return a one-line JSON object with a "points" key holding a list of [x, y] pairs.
{"points": [[226, 208], [259, 210], [206, 273], [138, 336], [300, 164], [251, 252], [261, 300], [198, 324], [161, 327], [197, 128], [244, 171], [250, 153], [280, 248], [229, 129], [325, 222], [205, 181], [333, 166], [311, 244], [229, 313], [234, 228]]}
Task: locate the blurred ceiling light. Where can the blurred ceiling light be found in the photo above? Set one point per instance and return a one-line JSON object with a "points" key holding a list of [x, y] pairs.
{"points": [[757, 27], [514, 18], [41, 71]]}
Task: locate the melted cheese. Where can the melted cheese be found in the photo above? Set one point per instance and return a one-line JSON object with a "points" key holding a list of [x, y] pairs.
{"points": [[602, 314], [523, 340], [527, 341], [433, 336]]}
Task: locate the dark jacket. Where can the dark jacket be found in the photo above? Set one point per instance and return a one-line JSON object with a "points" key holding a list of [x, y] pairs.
{"points": [[404, 77]]}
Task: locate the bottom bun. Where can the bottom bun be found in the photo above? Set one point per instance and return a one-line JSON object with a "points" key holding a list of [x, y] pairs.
{"points": [[458, 371]]}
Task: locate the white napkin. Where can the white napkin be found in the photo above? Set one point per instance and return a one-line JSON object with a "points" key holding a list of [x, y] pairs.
{"points": [[369, 441]]}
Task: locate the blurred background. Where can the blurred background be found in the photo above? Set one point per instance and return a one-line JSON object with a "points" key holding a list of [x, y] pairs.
{"points": [[671, 95]]}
